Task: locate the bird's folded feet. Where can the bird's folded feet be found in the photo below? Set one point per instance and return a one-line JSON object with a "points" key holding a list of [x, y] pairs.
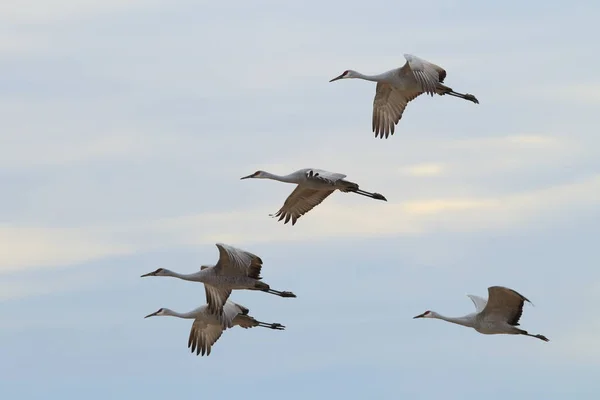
{"points": [[472, 98]]}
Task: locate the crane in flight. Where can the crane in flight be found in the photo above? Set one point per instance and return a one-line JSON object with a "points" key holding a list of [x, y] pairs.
{"points": [[313, 186], [397, 87], [236, 269], [499, 314], [207, 328]]}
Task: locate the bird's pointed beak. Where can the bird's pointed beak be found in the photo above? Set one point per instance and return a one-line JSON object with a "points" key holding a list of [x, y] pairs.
{"points": [[151, 315], [337, 78], [420, 315], [148, 274], [246, 177]]}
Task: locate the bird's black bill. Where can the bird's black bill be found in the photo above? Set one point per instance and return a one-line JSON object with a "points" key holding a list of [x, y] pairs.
{"points": [[420, 316], [148, 274], [151, 315], [246, 177], [336, 78]]}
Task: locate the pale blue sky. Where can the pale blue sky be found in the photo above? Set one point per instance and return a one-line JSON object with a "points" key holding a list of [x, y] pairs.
{"points": [[127, 124]]}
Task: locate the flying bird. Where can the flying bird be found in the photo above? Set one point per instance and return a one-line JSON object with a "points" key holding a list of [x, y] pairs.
{"points": [[207, 328], [396, 88], [236, 269], [499, 314], [313, 186]]}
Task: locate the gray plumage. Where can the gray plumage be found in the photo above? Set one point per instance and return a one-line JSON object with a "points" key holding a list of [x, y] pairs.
{"points": [[500, 314], [397, 87], [207, 328], [313, 186], [236, 270]]}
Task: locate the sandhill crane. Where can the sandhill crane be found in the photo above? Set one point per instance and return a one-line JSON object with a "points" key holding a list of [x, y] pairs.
{"points": [[236, 269], [207, 328], [499, 314], [396, 88], [314, 186]]}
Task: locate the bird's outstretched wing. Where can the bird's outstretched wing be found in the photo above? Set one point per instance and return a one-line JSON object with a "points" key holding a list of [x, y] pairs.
{"points": [[301, 201], [237, 262], [216, 297], [427, 74], [505, 303], [478, 301], [388, 107], [203, 336]]}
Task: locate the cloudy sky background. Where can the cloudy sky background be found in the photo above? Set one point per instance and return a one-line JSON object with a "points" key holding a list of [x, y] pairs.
{"points": [[127, 124]]}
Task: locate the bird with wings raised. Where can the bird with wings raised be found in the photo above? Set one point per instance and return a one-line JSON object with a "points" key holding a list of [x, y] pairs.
{"points": [[499, 314], [397, 87], [313, 186], [236, 269]]}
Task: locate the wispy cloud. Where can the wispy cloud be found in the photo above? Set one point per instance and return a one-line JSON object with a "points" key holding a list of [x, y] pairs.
{"points": [[34, 247], [430, 169]]}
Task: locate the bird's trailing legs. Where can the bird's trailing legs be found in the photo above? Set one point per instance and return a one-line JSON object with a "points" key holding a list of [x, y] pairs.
{"points": [[278, 293], [266, 288], [375, 196], [465, 96], [271, 326], [443, 89], [541, 337]]}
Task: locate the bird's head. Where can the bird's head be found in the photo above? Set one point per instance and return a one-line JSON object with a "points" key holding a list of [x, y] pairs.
{"points": [[161, 311], [158, 272], [345, 75], [426, 314], [257, 174]]}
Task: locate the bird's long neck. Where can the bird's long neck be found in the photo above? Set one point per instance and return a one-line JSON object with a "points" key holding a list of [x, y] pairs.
{"points": [[195, 277], [372, 78], [280, 178], [467, 320], [188, 315]]}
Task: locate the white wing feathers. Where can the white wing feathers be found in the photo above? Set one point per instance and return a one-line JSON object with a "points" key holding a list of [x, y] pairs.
{"points": [[320, 175], [478, 301], [427, 74], [230, 311]]}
